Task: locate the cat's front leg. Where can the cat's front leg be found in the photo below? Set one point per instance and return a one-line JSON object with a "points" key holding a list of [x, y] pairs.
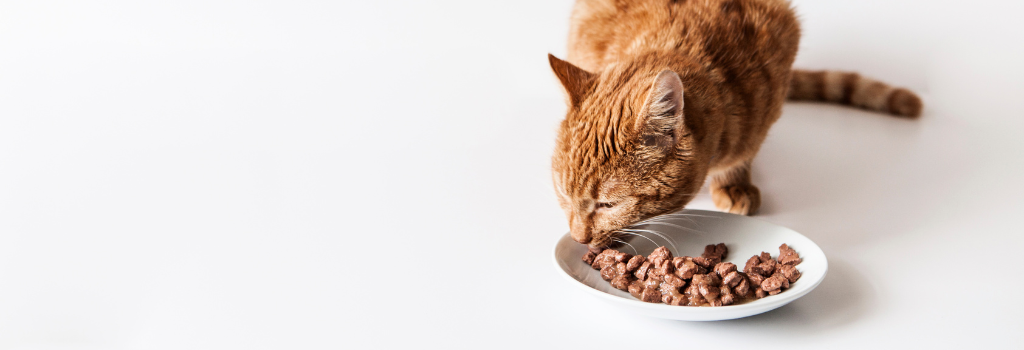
{"points": [[732, 191]]}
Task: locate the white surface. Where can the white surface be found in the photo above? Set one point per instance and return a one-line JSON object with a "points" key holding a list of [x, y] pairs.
{"points": [[687, 236], [282, 174]]}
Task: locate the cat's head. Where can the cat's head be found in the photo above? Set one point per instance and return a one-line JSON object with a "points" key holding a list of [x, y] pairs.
{"points": [[623, 152]]}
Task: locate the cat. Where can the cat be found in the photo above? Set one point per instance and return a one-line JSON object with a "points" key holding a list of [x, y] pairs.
{"points": [[663, 94]]}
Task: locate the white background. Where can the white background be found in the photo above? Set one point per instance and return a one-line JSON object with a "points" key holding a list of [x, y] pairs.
{"points": [[374, 174]]}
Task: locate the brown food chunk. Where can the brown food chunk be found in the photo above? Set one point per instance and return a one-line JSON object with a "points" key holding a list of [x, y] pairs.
{"points": [[709, 279], [652, 283], [706, 263], [723, 269], [707, 286], [792, 261], [679, 300], [679, 261], [743, 289], [665, 268], [661, 252], [727, 299], [709, 292], [791, 273], [722, 250], [589, 257], [772, 283], [654, 273], [620, 268], [635, 288], [621, 282], [663, 263], [766, 268], [622, 257], [608, 272], [756, 279], [753, 261], [689, 269], [650, 295], [765, 256], [635, 262], [760, 293], [726, 296], [692, 290], [788, 256], [673, 297], [674, 281], [693, 293], [777, 291], [606, 258], [641, 272], [715, 280], [709, 250], [785, 281], [668, 289], [702, 279], [715, 250], [732, 279]]}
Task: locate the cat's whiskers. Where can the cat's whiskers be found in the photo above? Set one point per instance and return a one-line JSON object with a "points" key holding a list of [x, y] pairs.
{"points": [[681, 215], [624, 242], [674, 249], [685, 215], [638, 235], [676, 226], [663, 218]]}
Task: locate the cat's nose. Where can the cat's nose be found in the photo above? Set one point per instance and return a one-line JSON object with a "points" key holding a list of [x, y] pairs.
{"points": [[581, 238], [579, 232], [585, 239]]}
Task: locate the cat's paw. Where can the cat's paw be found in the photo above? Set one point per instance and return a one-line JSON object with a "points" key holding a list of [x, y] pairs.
{"points": [[737, 199]]}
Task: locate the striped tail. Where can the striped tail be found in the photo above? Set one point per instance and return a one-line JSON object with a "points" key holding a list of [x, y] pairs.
{"points": [[855, 90]]}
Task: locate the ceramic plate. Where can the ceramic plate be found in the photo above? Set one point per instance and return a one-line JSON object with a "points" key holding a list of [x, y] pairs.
{"points": [[685, 233]]}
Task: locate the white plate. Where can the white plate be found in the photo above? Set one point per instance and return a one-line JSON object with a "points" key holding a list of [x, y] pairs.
{"points": [[743, 236]]}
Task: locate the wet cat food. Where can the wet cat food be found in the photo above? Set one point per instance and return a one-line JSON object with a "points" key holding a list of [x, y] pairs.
{"points": [[704, 280]]}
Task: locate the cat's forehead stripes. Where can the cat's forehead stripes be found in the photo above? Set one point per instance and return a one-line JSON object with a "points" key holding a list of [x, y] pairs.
{"points": [[597, 133], [599, 136], [586, 167]]}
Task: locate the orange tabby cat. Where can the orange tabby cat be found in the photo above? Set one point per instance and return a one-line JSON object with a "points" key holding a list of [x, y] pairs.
{"points": [[663, 94]]}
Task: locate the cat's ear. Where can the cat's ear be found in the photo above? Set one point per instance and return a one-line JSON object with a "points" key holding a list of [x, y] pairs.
{"points": [[575, 80], [663, 112]]}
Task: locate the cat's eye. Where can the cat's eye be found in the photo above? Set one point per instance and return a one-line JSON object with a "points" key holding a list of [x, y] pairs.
{"points": [[604, 205]]}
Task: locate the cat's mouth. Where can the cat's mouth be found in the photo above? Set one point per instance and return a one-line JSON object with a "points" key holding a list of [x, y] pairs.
{"points": [[609, 239]]}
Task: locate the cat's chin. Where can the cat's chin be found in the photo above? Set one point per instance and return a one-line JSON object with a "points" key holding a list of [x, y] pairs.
{"points": [[601, 243]]}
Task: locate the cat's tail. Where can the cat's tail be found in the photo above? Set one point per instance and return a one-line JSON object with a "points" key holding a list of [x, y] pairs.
{"points": [[854, 90]]}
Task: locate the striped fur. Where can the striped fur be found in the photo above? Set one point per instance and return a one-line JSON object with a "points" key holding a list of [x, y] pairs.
{"points": [[854, 90]]}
